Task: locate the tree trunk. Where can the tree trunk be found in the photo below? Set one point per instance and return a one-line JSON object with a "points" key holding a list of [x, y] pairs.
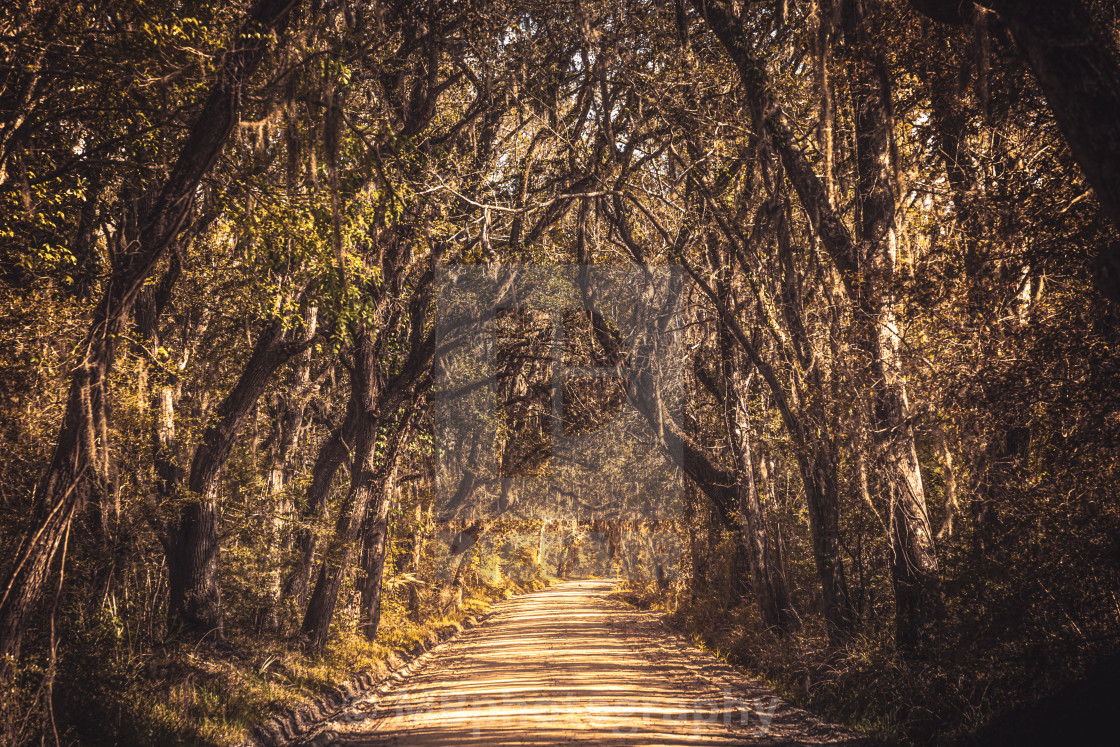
{"points": [[914, 570], [194, 601], [540, 543], [56, 496], [375, 546], [948, 475], [289, 427], [813, 451], [769, 586], [700, 581], [365, 481], [770, 592], [418, 532], [813, 446], [377, 405], [332, 454], [818, 475], [866, 270]]}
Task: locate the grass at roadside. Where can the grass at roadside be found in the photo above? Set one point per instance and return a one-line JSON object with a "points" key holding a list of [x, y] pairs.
{"points": [[207, 694]]}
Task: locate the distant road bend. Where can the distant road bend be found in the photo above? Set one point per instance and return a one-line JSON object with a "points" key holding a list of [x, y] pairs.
{"points": [[568, 665]]}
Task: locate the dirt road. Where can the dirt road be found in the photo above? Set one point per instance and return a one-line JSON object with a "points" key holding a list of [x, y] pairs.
{"points": [[568, 665]]}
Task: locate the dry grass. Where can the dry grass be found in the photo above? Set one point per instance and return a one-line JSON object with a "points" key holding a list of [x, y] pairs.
{"points": [[215, 695]]}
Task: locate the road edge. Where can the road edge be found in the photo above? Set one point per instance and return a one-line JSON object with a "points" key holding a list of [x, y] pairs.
{"points": [[302, 722]]}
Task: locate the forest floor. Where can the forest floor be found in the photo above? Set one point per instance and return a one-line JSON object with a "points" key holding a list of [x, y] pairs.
{"points": [[571, 665]]}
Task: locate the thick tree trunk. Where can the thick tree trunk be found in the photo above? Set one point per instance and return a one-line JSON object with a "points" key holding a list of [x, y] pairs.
{"points": [[914, 570], [194, 602], [1077, 63], [375, 546], [56, 496], [377, 405], [333, 453], [365, 482]]}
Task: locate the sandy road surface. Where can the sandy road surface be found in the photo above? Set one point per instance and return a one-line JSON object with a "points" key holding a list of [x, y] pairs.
{"points": [[568, 665]]}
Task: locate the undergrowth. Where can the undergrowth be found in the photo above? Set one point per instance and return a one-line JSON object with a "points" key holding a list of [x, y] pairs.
{"points": [[214, 694], [959, 694]]}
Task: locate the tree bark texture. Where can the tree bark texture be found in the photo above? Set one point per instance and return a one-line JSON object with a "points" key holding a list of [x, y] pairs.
{"points": [[365, 481], [375, 544], [914, 570], [194, 601], [333, 453], [377, 403]]}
